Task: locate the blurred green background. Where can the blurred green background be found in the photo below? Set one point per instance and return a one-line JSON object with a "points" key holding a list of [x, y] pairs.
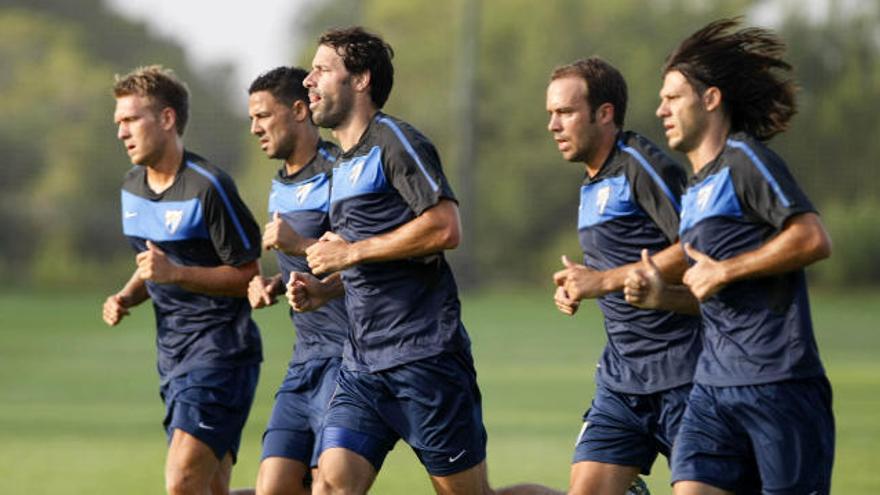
{"points": [[80, 410], [471, 75]]}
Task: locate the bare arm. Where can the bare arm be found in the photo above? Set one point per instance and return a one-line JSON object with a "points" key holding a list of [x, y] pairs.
{"points": [[116, 305], [580, 282], [306, 292], [279, 235], [802, 241], [645, 288], [436, 229], [223, 280]]}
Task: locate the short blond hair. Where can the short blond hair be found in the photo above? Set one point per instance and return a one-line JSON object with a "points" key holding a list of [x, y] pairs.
{"points": [[159, 84]]}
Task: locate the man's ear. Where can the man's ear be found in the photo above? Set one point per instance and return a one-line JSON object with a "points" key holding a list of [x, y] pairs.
{"points": [[360, 82], [168, 118], [605, 113], [712, 99], [300, 110]]}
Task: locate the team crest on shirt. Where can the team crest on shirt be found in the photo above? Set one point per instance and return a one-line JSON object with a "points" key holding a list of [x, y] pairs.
{"points": [[172, 220], [602, 196], [303, 191], [703, 196], [356, 171]]}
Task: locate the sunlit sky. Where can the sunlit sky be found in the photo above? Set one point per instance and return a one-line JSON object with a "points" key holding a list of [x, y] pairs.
{"points": [[252, 35], [255, 35]]}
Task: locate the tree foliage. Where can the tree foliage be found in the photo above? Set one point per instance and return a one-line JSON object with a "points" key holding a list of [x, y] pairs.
{"points": [[63, 165]]}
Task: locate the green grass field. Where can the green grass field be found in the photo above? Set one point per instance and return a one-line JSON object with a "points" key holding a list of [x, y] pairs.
{"points": [[80, 410]]}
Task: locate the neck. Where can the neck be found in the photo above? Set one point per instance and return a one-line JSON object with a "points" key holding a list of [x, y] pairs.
{"points": [[594, 163], [349, 132], [161, 173], [710, 146], [303, 152]]}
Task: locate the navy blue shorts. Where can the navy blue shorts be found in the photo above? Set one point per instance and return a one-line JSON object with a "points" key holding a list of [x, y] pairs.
{"points": [[294, 429], [211, 405], [433, 404], [630, 429], [773, 438]]}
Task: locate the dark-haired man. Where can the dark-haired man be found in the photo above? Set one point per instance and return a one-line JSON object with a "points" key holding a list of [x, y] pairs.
{"points": [[628, 202], [408, 372], [197, 247], [299, 202], [759, 416]]}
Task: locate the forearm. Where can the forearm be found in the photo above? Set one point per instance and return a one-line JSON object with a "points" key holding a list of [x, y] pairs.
{"points": [[802, 241], [298, 247], [223, 280], [134, 291], [435, 230], [333, 286], [670, 262], [679, 299]]}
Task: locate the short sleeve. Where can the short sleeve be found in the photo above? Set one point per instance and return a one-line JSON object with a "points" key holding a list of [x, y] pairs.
{"points": [[657, 186], [233, 230], [412, 165], [765, 186]]}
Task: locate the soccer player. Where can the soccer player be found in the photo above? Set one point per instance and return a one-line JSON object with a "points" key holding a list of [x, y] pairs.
{"points": [[278, 106], [759, 417], [629, 201], [408, 371], [197, 247]]}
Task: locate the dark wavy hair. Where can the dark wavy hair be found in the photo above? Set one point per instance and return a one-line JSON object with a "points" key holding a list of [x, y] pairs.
{"points": [[605, 84], [364, 51], [746, 66], [285, 84]]}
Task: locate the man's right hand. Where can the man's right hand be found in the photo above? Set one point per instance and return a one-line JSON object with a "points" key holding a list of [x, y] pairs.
{"points": [[644, 286], [305, 292], [114, 310], [261, 291]]}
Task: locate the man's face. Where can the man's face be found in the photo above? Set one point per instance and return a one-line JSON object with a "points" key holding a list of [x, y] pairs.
{"points": [[141, 129], [331, 96], [572, 122], [273, 123], [682, 113]]}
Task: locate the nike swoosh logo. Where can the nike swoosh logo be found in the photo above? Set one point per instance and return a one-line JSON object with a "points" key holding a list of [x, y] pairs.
{"points": [[204, 426], [457, 456], [130, 214]]}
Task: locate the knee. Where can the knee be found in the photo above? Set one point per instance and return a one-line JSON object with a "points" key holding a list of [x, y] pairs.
{"points": [[275, 487], [334, 485], [182, 482]]}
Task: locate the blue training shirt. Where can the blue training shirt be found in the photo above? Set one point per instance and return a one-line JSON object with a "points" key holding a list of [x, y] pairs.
{"points": [[303, 202], [198, 221], [632, 203], [403, 310], [757, 330]]}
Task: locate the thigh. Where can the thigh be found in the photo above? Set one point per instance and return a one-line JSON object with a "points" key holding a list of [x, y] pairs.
{"points": [[589, 477], [617, 430], [711, 447], [792, 428], [190, 465], [343, 471], [294, 427], [279, 475], [471, 481], [211, 405], [353, 422], [436, 408]]}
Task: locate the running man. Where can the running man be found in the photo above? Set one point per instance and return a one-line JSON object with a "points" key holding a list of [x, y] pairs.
{"points": [[759, 417], [197, 247], [299, 202], [629, 201]]}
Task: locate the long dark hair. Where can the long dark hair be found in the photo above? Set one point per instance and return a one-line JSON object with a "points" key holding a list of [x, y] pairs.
{"points": [[746, 66]]}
